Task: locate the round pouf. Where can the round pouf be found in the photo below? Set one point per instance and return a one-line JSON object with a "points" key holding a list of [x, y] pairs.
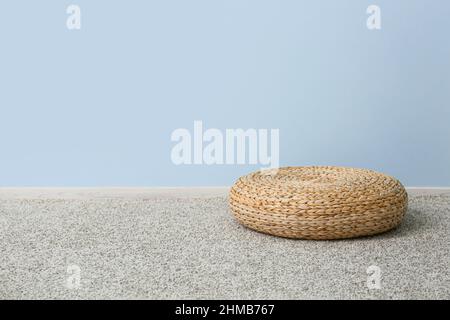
{"points": [[319, 202]]}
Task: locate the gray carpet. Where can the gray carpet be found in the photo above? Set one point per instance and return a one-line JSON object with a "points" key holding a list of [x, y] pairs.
{"points": [[192, 248]]}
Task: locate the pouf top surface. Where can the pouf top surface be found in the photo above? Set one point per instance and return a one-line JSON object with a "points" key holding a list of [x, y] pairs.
{"points": [[318, 182]]}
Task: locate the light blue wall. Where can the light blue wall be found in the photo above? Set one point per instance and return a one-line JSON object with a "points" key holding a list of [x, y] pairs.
{"points": [[96, 107]]}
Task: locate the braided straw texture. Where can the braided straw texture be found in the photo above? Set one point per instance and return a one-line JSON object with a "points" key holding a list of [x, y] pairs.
{"points": [[319, 202]]}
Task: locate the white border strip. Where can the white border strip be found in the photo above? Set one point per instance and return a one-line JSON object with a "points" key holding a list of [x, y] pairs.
{"points": [[149, 193]]}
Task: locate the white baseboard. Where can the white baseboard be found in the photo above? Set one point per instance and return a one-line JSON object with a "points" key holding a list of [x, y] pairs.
{"points": [[428, 190], [112, 192], [149, 192]]}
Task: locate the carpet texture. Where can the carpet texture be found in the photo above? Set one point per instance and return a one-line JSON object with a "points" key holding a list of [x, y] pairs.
{"points": [[192, 248]]}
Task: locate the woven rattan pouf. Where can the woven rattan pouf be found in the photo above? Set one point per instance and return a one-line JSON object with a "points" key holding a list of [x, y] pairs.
{"points": [[319, 202]]}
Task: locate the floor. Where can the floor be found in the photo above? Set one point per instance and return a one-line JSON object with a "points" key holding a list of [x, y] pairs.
{"points": [[190, 247]]}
